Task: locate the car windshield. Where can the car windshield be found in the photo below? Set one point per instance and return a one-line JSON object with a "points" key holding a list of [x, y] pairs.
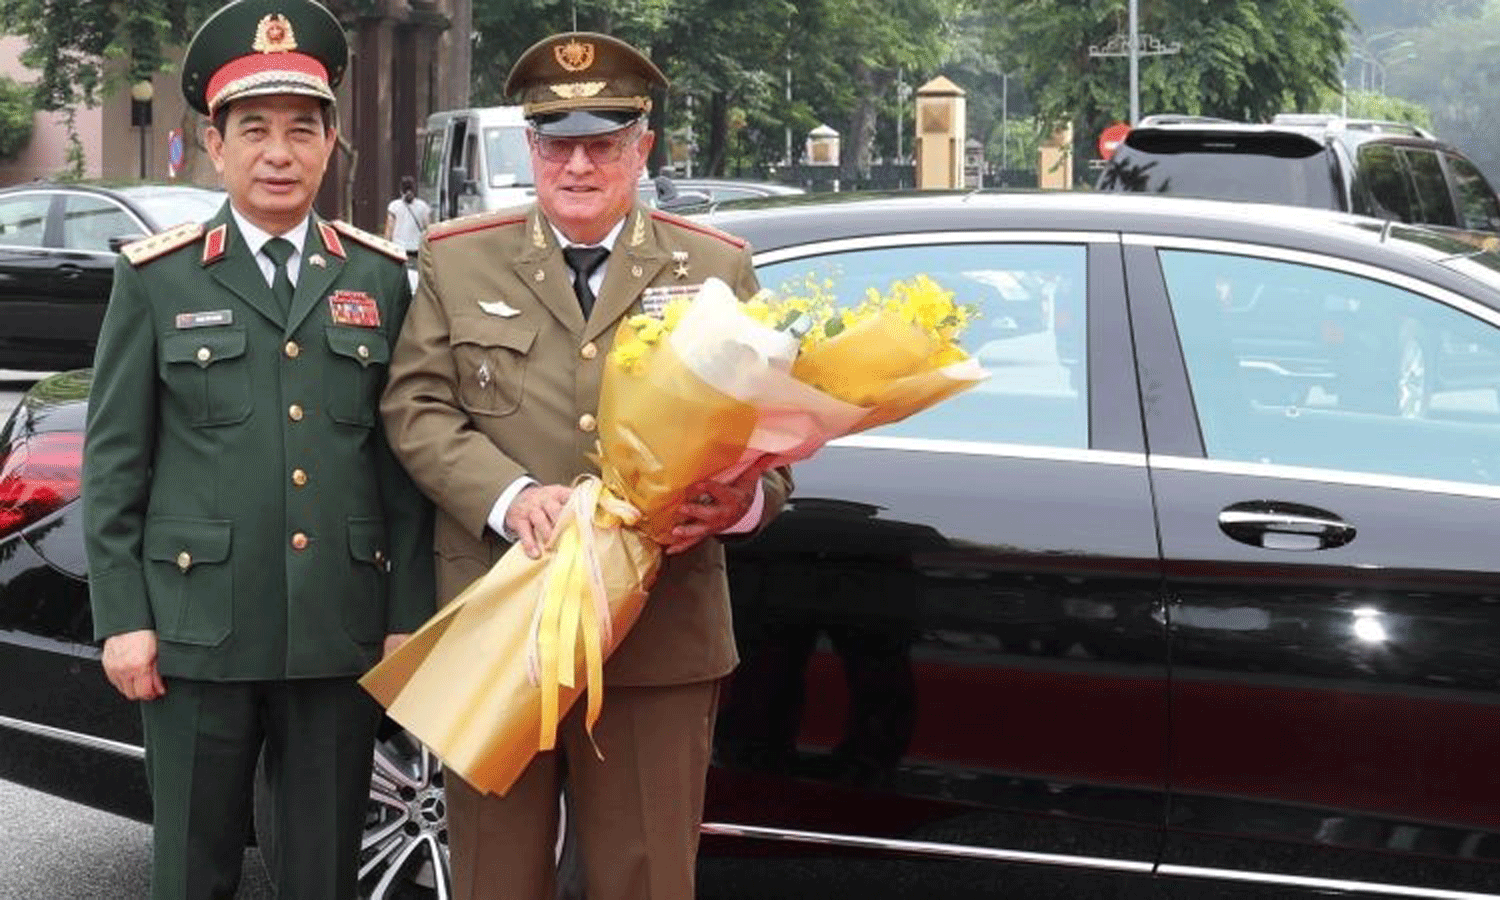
{"points": [[169, 206], [508, 157], [1257, 168]]}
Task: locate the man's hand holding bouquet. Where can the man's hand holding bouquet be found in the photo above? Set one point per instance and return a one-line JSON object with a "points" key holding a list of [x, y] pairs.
{"points": [[709, 390]]}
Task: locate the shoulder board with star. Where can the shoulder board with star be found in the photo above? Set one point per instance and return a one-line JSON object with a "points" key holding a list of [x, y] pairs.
{"points": [[690, 225], [475, 222], [148, 248], [374, 242]]}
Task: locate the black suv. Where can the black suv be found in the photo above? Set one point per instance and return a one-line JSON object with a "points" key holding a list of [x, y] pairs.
{"points": [[1382, 169]]}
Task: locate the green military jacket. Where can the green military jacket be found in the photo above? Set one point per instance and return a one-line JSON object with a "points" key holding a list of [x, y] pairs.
{"points": [[239, 495]]}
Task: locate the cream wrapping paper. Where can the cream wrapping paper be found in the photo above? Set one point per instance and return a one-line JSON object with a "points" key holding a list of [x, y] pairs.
{"points": [[485, 682]]}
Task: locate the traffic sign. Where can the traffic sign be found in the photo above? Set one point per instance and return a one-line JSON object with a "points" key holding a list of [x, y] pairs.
{"points": [[1111, 137]]}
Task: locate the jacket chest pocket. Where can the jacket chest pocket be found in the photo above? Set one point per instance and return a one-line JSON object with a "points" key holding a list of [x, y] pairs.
{"points": [[491, 356], [357, 365], [206, 370]]}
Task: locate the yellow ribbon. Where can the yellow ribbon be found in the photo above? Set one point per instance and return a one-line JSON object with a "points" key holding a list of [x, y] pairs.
{"points": [[562, 615]]}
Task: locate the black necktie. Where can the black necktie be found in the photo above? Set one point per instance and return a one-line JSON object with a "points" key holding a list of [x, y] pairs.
{"points": [[583, 261], [279, 250]]}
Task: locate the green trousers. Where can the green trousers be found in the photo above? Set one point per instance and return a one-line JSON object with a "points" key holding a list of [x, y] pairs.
{"points": [[203, 740]]}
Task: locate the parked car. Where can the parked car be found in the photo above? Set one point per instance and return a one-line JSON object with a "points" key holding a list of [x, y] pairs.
{"points": [[1384, 169], [667, 192], [57, 257], [1117, 622]]}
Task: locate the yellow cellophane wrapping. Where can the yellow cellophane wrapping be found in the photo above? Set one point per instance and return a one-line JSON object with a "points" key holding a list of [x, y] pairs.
{"points": [[485, 682], [663, 428], [884, 364], [462, 684]]}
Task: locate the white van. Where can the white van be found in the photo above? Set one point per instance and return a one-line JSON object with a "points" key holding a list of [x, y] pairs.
{"points": [[474, 160]]}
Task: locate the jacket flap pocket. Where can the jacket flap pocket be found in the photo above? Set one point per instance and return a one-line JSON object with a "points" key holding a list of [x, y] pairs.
{"points": [[363, 345], [203, 346], [367, 540], [187, 541], [488, 332]]}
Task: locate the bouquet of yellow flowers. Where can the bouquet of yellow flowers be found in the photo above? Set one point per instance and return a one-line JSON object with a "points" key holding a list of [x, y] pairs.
{"points": [[708, 388]]}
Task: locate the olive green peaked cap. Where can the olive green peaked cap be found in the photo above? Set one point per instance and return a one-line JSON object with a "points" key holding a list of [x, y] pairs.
{"points": [[256, 47], [582, 83]]}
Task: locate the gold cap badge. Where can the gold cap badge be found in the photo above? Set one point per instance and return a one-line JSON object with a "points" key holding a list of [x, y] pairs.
{"points": [[575, 56], [273, 34]]}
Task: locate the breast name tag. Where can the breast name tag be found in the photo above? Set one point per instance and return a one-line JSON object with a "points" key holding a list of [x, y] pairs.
{"points": [[654, 300], [205, 319]]}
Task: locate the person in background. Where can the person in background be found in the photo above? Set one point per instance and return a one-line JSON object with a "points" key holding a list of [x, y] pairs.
{"points": [[492, 406], [407, 217], [253, 545]]}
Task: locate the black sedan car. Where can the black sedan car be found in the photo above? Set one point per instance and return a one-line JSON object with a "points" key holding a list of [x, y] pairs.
{"points": [[57, 260], [1120, 622]]}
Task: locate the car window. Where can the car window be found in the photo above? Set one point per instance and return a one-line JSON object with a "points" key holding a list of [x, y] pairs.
{"points": [[1478, 208], [1386, 190], [1029, 332], [1299, 365], [89, 222], [168, 207], [23, 220], [1430, 186], [1274, 168], [507, 155]]}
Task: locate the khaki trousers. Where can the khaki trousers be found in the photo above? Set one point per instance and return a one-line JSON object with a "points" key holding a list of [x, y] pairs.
{"points": [[635, 813]]}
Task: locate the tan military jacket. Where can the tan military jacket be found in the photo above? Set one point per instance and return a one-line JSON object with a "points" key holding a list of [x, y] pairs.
{"points": [[496, 375]]}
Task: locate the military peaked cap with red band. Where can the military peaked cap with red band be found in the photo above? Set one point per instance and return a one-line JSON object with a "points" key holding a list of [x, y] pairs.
{"points": [[256, 47], [582, 83]]}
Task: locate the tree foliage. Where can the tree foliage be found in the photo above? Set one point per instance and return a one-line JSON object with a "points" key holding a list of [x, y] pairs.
{"points": [[1236, 59], [749, 78], [1453, 69], [16, 117], [76, 45]]}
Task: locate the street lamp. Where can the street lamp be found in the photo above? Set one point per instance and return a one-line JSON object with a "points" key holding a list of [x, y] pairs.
{"points": [[140, 114]]}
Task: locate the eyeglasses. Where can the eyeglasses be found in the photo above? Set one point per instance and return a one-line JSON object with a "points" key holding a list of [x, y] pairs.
{"points": [[600, 149]]}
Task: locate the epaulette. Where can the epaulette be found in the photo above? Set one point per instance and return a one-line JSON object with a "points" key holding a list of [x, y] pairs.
{"points": [[474, 222], [149, 248], [374, 242], [738, 243]]}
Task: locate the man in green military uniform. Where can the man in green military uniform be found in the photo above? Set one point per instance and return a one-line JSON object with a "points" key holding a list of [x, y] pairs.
{"points": [[253, 545]]}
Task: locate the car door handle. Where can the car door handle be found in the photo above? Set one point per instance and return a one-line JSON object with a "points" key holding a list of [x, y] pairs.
{"points": [[1278, 525], [68, 270]]}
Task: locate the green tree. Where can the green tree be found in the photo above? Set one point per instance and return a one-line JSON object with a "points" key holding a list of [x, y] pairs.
{"points": [[74, 45], [1374, 105], [1241, 60], [1455, 72], [16, 117]]}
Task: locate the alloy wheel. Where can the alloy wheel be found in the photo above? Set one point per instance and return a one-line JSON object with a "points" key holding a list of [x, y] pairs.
{"points": [[404, 851]]}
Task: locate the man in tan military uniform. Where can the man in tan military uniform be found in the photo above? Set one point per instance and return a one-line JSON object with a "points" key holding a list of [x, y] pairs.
{"points": [[491, 406], [253, 545]]}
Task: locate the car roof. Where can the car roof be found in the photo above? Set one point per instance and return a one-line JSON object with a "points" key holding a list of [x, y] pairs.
{"points": [[791, 221], [1313, 127]]}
